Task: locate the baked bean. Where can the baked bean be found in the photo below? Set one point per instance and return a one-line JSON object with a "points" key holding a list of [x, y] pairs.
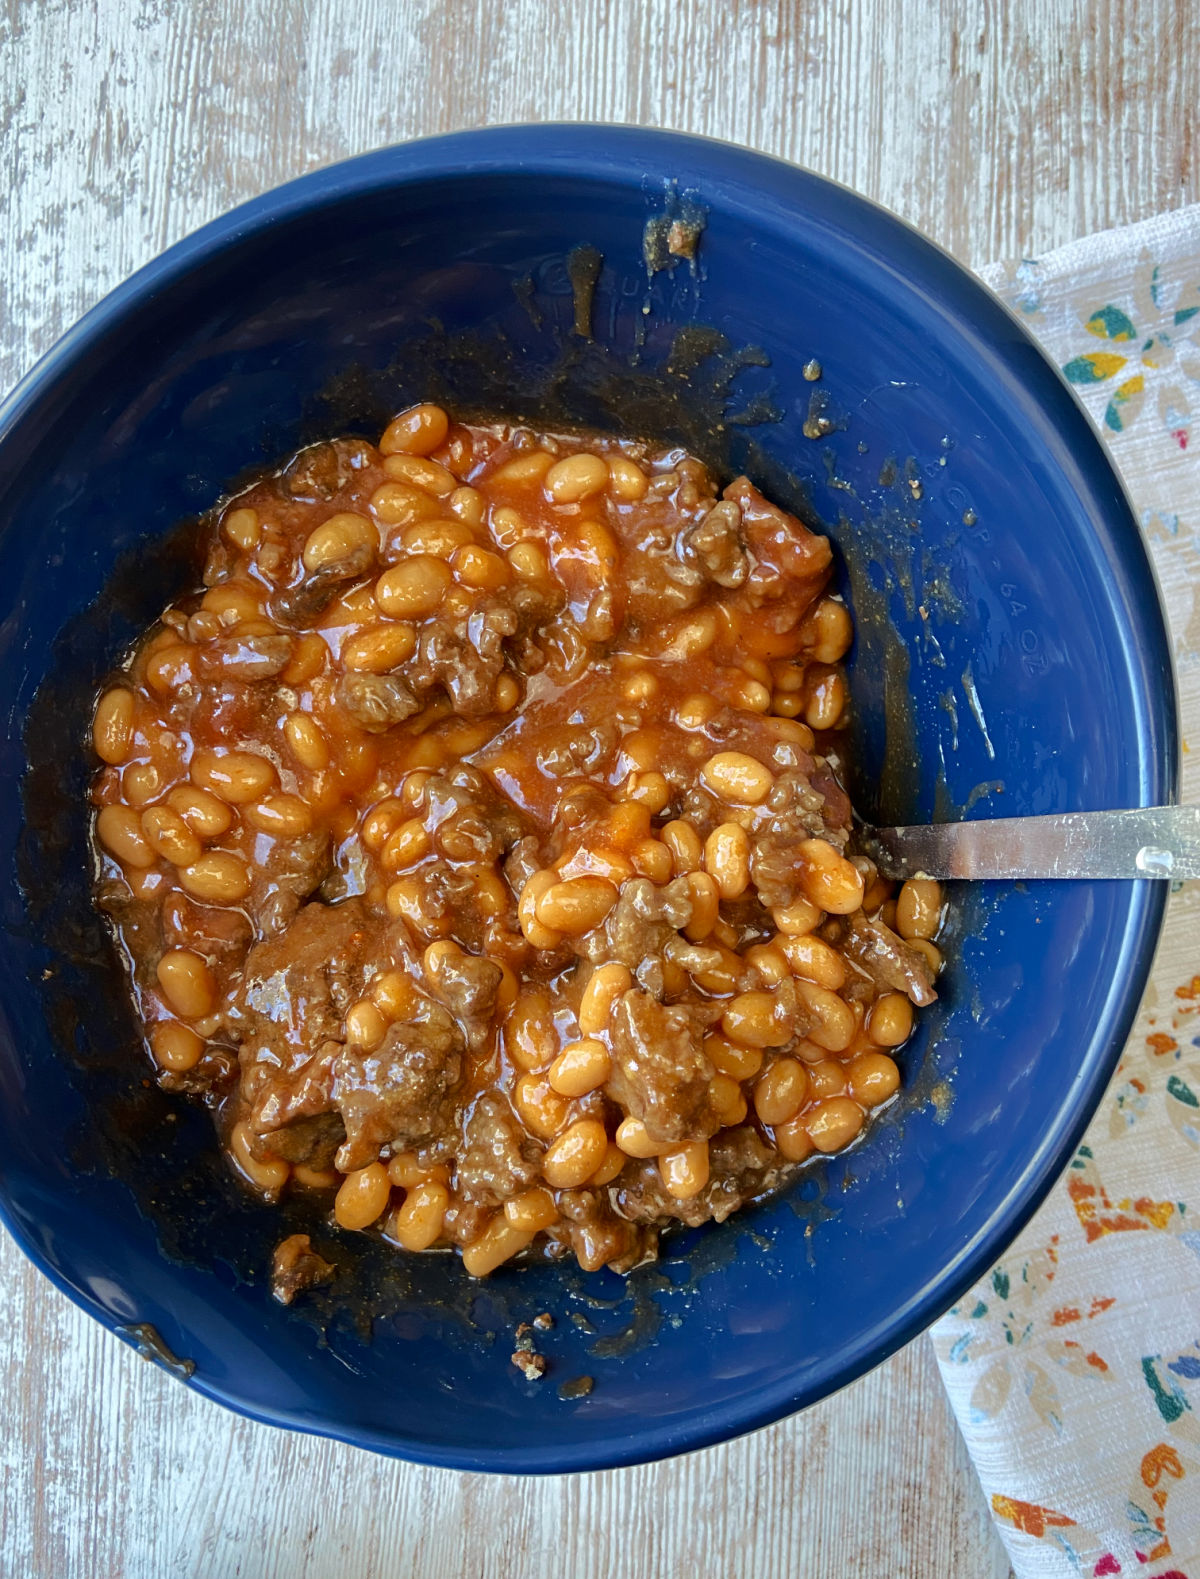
{"points": [[684, 1169], [468, 505], [721, 975], [418, 431], [652, 859], [170, 668], [506, 992], [874, 1078], [282, 816], [363, 1197], [409, 844], [633, 1140], [528, 561], [112, 727], [414, 588], [412, 791], [306, 742], [141, 783], [338, 539], [120, 831], [531, 1211], [233, 603], [146, 882], [399, 504], [479, 567], [813, 959], [187, 983], [507, 693], [684, 844], [734, 1059], [757, 1019], [572, 1159], [781, 1091], [217, 877], [727, 859], [394, 994], [629, 823], [204, 814], [626, 479], [826, 701], [540, 1106], [919, 908], [643, 748], [530, 1039], [828, 631], [727, 1100], [798, 918], [828, 878], [833, 1124], [576, 906], [417, 1223], [831, 1022], [640, 687], [380, 650], [733, 776], [233, 776], [176, 1047], [574, 478], [826, 1078], [498, 1243], [406, 1171], [580, 1067], [307, 660], [605, 985], [268, 1174], [751, 694], [649, 789], [890, 1020], [694, 636], [531, 466], [315, 1178], [929, 952], [365, 1025], [381, 821], [170, 836], [492, 896], [706, 901], [610, 1169], [876, 889], [537, 934], [419, 472], [792, 1139], [404, 902], [695, 711], [243, 529]]}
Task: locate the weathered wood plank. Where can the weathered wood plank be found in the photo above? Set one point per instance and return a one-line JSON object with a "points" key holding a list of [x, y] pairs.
{"points": [[124, 124]]}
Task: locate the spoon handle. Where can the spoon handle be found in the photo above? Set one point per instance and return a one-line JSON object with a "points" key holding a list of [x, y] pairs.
{"points": [[1153, 841]]}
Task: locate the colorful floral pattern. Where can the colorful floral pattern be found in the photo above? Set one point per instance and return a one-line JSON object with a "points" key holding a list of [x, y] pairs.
{"points": [[1074, 1368]]}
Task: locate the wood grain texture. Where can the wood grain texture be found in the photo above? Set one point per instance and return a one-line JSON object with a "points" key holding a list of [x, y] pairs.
{"points": [[1000, 128]]}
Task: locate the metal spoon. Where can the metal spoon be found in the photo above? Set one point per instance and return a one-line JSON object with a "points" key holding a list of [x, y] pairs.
{"points": [[1153, 841]]}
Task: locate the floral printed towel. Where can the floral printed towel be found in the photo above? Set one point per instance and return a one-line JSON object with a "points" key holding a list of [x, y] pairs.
{"points": [[1074, 1369]]}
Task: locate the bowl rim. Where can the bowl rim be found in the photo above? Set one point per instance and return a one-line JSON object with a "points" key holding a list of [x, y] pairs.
{"points": [[617, 153]]}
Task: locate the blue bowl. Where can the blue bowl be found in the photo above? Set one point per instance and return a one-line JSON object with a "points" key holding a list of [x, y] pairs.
{"points": [[1011, 658]]}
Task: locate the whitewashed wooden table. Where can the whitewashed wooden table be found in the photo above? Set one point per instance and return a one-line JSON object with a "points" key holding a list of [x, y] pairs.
{"points": [[1000, 129]]}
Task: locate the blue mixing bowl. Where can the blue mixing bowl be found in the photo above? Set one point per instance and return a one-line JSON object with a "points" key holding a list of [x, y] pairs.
{"points": [[1011, 658]]}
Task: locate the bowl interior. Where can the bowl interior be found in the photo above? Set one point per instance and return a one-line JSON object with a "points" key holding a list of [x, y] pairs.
{"points": [[1011, 657]]}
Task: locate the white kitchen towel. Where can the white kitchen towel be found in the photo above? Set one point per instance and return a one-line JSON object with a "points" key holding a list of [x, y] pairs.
{"points": [[1074, 1368]]}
